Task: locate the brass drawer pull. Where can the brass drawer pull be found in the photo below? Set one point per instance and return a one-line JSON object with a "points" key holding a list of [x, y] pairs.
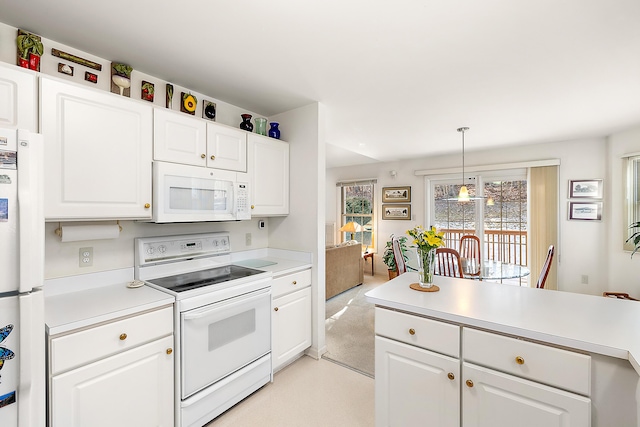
{"points": [[123, 337], [412, 331], [469, 383], [451, 376], [169, 350], [520, 360], [295, 282], [202, 156], [147, 205], [275, 309], [213, 157]]}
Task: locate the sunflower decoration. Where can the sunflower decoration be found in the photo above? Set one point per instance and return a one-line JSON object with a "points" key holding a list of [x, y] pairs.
{"points": [[189, 103]]}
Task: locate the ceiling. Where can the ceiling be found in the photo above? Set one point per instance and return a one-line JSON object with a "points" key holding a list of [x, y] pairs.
{"points": [[396, 77]]}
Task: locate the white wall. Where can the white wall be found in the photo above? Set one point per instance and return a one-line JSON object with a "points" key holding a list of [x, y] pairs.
{"points": [[303, 228], [584, 246]]}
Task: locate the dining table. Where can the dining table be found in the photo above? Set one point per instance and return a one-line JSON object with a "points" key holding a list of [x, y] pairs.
{"points": [[493, 270]]}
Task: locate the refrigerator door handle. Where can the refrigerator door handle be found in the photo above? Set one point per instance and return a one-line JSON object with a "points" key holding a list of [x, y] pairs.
{"points": [[31, 213]]}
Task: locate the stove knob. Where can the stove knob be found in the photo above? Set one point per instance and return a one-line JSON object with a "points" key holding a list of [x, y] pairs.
{"points": [[162, 249], [215, 243], [150, 250]]}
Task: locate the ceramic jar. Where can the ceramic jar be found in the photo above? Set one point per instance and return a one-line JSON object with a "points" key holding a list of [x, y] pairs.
{"points": [[246, 122]]}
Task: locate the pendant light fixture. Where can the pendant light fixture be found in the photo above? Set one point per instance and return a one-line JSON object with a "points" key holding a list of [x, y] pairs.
{"points": [[463, 196]]}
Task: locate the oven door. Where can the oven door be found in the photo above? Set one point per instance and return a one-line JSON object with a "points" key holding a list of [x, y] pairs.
{"points": [[218, 339]]}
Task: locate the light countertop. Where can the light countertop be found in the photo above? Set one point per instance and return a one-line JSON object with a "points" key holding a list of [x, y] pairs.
{"points": [[589, 323], [104, 297], [277, 261]]}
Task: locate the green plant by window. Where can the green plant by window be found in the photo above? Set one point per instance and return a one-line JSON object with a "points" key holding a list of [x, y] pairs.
{"points": [[388, 257]]}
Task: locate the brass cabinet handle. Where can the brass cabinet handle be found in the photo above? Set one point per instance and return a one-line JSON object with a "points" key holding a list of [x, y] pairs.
{"points": [[169, 350], [451, 376], [147, 205], [202, 156], [252, 207], [275, 309], [412, 331], [295, 282], [520, 360], [213, 157], [123, 337], [469, 383]]}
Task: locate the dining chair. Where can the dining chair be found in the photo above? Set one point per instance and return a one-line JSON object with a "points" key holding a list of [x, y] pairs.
{"points": [[619, 295], [448, 263], [401, 266], [545, 268], [470, 250]]}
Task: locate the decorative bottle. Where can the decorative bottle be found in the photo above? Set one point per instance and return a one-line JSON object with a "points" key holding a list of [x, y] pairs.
{"points": [[246, 122], [274, 132]]}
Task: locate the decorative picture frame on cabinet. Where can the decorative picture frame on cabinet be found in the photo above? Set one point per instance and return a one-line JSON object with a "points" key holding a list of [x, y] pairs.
{"points": [[585, 188], [396, 194], [65, 69], [585, 211], [397, 211], [147, 91], [209, 110]]}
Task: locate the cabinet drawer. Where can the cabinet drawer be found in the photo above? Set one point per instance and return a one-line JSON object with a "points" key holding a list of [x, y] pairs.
{"points": [[426, 333], [76, 349], [290, 282], [549, 365]]}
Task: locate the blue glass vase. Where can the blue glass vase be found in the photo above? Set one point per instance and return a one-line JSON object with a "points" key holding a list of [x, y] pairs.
{"points": [[274, 132]]}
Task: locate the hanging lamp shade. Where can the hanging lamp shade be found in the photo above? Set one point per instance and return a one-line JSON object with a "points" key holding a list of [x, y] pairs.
{"points": [[463, 196]]}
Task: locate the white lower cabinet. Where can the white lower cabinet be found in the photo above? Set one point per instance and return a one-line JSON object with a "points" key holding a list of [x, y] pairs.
{"points": [[494, 399], [116, 374], [415, 387], [424, 379], [291, 317]]}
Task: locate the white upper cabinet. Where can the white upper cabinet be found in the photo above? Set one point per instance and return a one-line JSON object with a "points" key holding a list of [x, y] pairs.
{"points": [[179, 138], [97, 153], [18, 98], [226, 148], [185, 139], [268, 176]]}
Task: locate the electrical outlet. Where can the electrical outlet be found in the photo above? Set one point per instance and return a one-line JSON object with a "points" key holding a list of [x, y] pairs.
{"points": [[85, 257], [248, 239], [584, 279]]}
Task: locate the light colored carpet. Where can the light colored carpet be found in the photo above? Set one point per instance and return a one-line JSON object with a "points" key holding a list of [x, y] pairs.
{"points": [[350, 327]]}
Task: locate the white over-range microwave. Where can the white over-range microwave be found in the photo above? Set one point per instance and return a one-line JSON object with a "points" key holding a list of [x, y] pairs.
{"points": [[184, 193]]}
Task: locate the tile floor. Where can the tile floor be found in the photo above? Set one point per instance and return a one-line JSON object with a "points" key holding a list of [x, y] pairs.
{"points": [[307, 393]]}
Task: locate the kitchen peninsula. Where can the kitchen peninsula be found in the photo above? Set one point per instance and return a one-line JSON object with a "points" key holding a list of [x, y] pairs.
{"points": [[487, 354]]}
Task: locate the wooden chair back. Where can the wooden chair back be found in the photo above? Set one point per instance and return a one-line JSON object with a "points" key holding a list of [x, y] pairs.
{"points": [[401, 266], [545, 268], [448, 263], [470, 249]]}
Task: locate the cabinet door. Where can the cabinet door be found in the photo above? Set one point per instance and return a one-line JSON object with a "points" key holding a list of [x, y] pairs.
{"points": [[17, 98], [226, 148], [494, 399], [98, 153], [133, 388], [291, 325], [179, 138], [269, 176], [415, 387]]}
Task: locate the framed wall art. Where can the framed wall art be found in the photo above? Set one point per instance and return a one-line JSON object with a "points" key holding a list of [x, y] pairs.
{"points": [[585, 211], [396, 211], [585, 189], [396, 194]]}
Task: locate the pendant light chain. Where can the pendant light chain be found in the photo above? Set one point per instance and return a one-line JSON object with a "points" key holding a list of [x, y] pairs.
{"points": [[464, 195]]}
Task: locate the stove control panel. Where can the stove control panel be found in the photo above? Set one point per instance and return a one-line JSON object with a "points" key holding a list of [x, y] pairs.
{"points": [[171, 248]]}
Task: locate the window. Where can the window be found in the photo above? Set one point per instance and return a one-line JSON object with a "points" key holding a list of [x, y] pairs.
{"points": [[357, 205], [632, 168]]}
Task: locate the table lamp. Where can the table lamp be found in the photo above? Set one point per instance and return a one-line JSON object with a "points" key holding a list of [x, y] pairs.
{"points": [[351, 227]]}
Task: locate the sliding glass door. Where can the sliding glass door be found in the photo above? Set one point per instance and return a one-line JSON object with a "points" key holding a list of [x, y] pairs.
{"points": [[496, 213]]}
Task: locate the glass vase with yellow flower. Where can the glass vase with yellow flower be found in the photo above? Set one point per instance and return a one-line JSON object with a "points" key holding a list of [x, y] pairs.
{"points": [[426, 241]]}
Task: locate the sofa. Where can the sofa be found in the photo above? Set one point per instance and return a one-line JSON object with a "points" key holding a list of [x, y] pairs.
{"points": [[343, 267]]}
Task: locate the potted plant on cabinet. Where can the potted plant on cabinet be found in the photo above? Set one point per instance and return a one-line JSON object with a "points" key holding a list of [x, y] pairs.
{"points": [[390, 260]]}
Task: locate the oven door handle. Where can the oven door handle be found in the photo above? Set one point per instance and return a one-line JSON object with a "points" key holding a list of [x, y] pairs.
{"points": [[206, 311]]}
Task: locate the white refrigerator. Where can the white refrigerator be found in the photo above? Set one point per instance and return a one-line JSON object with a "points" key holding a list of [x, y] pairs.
{"points": [[22, 329]]}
